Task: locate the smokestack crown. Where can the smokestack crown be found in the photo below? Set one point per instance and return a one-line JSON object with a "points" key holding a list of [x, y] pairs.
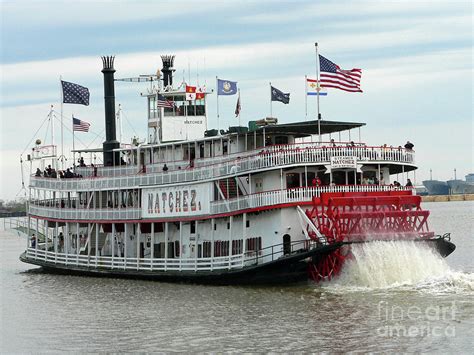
{"points": [[108, 63]]}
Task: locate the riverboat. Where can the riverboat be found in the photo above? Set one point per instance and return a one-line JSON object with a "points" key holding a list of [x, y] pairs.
{"points": [[264, 203]]}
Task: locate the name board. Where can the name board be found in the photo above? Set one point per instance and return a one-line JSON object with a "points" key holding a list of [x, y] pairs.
{"points": [[343, 162], [43, 151], [174, 201]]}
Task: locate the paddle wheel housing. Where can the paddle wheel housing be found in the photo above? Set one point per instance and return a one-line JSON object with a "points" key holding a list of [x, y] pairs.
{"points": [[360, 217]]}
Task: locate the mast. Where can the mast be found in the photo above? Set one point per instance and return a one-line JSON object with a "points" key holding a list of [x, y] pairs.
{"points": [[317, 91]]}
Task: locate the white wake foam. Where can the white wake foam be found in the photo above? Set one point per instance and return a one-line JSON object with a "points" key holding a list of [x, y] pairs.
{"points": [[399, 264]]}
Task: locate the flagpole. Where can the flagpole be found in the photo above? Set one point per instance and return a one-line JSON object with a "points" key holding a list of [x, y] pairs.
{"points": [[73, 144], [317, 91], [218, 123], [306, 97], [240, 108], [271, 113], [62, 125]]}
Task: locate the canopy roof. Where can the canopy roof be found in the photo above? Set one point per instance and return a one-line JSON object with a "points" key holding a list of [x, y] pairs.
{"points": [[305, 128]]}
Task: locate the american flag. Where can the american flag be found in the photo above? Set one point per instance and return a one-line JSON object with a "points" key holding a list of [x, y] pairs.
{"points": [[164, 102], [75, 94], [81, 126], [332, 76]]}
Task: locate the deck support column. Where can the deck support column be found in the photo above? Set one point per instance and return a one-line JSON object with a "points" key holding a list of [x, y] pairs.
{"points": [[37, 238], [166, 244], [88, 244], [56, 230], [78, 241], [180, 244], [213, 222], [231, 220], [97, 227], [152, 246], [138, 245], [46, 240], [113, 244], [66, 242], [244, 228], [125, 245]]}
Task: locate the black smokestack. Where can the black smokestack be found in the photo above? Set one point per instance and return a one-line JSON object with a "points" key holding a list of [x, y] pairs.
{"points": [[109, 99], [167, 69]]}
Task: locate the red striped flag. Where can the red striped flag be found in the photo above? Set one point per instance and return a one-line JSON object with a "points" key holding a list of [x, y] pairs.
{"points": [[332, 76], [81, 126]]}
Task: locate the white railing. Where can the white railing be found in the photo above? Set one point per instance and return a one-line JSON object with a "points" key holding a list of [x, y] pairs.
{"points": [[278, 197], [86, 214], [145, 264], [264, 160], [262, 199]]}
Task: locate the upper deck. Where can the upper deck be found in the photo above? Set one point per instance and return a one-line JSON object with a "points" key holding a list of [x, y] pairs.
{"points": [[202, 169]]}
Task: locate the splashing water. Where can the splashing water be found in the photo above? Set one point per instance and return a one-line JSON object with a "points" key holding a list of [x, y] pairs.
{"points": [[399, 264]]}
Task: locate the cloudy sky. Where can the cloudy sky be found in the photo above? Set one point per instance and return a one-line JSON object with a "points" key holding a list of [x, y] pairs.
{"points": [[416, 58]]}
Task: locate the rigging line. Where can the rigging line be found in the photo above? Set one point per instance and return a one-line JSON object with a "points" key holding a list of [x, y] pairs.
{"points": [[34, 135], [126, 119], [70, 131], [97, 136], [47, 131]]}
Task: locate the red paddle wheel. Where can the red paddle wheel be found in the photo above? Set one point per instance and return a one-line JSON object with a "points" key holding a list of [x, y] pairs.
{"points": [[351, 217]]}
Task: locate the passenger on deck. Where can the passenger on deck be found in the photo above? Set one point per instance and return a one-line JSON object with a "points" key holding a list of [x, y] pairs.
{"points": [[165, 168], [54, 174], [81, 162], [38, 172], [409, 184], [409, 145], [333, 144], [33, 241]]}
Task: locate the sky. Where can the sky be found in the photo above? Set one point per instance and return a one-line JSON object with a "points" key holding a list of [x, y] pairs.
{"points": [[416, 59]]}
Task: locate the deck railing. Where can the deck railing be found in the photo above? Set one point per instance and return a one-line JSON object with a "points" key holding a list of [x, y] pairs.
{"points": [[46, 208], [266, 159], [235, 261]]}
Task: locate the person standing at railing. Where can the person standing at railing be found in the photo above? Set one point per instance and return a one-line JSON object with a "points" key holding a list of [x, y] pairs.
{"points": [[409, 145], [33, 241], [409, 183]]}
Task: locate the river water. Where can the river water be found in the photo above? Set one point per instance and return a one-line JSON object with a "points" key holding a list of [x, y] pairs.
{"points": [[390, 297]]}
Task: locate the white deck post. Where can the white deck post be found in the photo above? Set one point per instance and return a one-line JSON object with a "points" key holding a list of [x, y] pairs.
{"points": [[180, 243], [244, 227], [138, 245], [166, 244], [96, 243], [113, 244], [152, 246], [56, 243], [125, 246], [77, 243], [45, 230], [66, 241], [231, 220], [196, 243], [213, 221], [88, 243], [37, 237]]}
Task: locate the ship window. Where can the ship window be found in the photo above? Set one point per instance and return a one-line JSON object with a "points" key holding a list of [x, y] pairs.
{"points": [[292, 180], [247, 223], [152, 110], [228, 225], [281, 140], [215, 226], [193, 227]]}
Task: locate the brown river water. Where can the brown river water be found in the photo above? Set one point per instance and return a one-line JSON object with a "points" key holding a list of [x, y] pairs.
{"points": [[390, 297]]}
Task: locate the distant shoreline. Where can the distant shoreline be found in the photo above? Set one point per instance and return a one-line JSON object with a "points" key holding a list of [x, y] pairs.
{"points": [[447, 198]]}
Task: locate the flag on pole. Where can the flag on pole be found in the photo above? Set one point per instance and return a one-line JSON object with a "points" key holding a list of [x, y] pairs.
{"points": [[332, 76], [162, 101], [237, 107], [312, 88], [200, 92], [75, 94], [278, 95], [226, 87], [80, 126], [190, 93]]}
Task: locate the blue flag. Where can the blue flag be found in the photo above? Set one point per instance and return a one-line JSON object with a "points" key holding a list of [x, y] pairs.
{"points": [[278, 95], [226, 87], [75, 94]]}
